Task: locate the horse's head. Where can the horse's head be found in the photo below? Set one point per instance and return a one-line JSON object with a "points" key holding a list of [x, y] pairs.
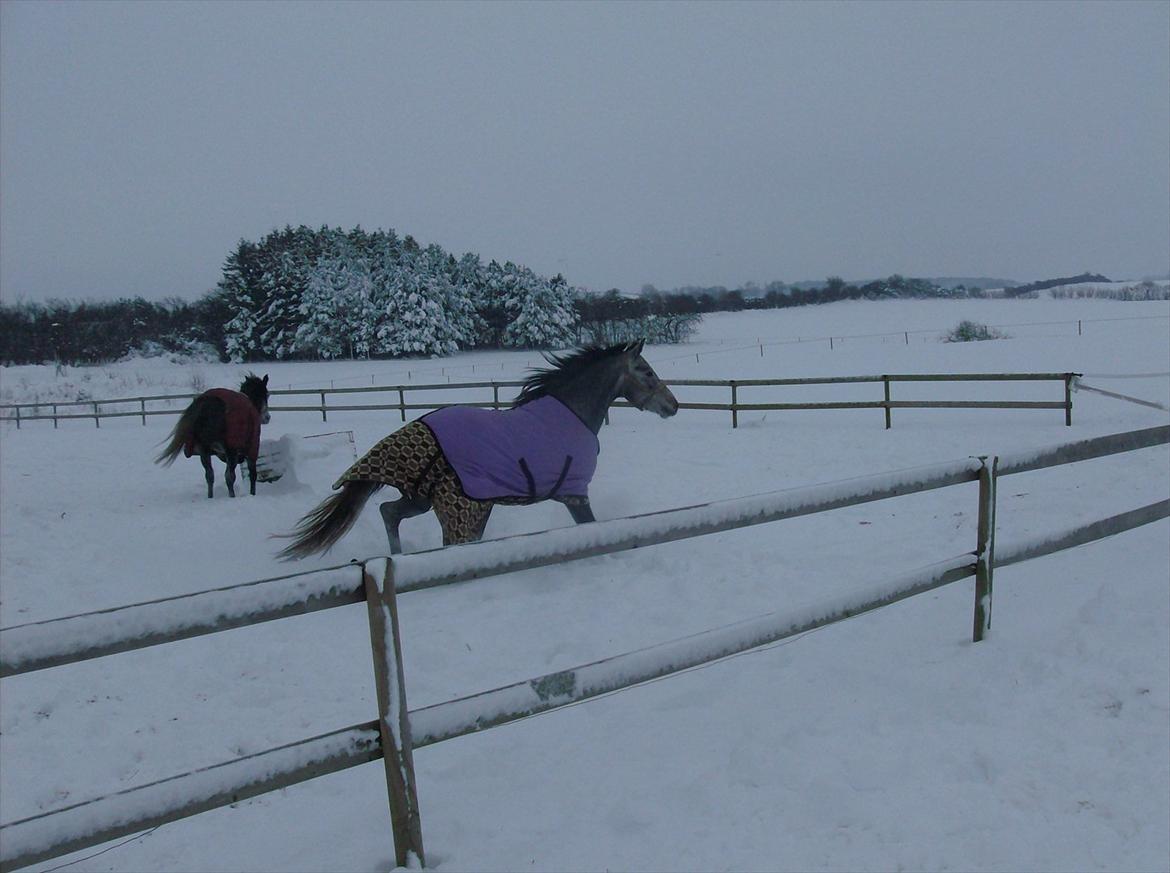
{"points": [[256, 390], [640, 385], [589, 379]]}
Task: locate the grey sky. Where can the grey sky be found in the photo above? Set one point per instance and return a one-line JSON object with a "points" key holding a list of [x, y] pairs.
{"points": [[617, 143]]}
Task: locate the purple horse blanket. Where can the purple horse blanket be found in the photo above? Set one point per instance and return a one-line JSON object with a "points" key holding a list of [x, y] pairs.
{"points": [[532, 452]]}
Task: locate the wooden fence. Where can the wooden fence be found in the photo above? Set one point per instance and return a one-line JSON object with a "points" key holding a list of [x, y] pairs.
{"points": [[379, 581], [13, 411]]}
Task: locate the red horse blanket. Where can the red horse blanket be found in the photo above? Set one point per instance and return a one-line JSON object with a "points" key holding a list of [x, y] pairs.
{"points": [[242, 433]]}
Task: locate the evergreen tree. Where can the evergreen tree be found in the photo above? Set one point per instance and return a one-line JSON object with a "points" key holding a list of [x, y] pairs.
{"points": [[281, 287], [491, 292], [333, 307], [442, 272], [238, 289], [469, 278], [329, 293], [540, 311], [411, 311]]}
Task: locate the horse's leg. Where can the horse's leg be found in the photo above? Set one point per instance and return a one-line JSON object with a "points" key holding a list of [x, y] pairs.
{"points": [[205, 458], [579, 508], [207, 432], [229, 475], [463, 520], [393, 511], [252, 475]]}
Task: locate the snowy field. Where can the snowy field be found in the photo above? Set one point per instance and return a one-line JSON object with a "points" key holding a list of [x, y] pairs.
{"points": [[887, 742]]}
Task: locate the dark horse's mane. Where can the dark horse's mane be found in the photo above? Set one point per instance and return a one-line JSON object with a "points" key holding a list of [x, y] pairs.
{"points": [[565, 368]]}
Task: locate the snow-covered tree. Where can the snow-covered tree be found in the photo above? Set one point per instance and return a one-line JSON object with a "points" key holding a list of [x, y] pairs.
{"points": [[540, 311], [330, 293], [281, 287], [412, 312], [335, 309], [237, 289], [441, 270]]}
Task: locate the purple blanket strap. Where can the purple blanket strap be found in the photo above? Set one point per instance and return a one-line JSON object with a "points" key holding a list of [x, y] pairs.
{"points": [[532, 452]]}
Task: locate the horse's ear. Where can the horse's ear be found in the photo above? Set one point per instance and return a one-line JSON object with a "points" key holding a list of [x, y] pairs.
{"points": [[638, 346], [265, 378]]}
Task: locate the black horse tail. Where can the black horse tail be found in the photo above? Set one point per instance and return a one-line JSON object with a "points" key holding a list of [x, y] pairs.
{"points": [[184, 428], [323, 526]]}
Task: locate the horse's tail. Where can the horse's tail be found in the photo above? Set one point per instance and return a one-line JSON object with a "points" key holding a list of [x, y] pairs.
{"points": [[323, 526], [184, 429]]}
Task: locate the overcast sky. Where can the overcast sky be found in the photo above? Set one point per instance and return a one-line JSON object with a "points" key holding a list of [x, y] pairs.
{"points": [[618, 143]]}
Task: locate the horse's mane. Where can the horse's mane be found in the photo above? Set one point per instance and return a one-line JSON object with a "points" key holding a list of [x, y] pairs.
{"points": [[566, 367]]}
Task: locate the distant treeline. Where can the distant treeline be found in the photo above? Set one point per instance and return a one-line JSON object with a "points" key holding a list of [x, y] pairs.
{"points": [[261, 313], [301, 293], [96, 332], [1146, 290], [1031, 289], [778, 295]]}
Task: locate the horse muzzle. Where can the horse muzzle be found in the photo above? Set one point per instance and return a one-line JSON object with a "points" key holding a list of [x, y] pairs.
{"points": [[662, 401]]}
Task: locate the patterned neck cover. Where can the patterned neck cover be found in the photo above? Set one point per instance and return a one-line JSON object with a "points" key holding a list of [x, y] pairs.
{"points": [[532, 452]]}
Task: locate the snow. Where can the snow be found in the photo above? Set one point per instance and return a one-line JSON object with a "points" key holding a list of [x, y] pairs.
{"points": [[339, 749], [888, 740], [545, 692]]}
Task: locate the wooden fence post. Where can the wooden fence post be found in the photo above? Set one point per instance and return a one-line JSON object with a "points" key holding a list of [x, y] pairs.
{"points": [[393, 716], [323, 416], [985, 548], [886, 382], [495, 396], [97, 420], [734, 409], [54, 416], [402, 402], [18, 419], [1068, 377], [142, 403]]}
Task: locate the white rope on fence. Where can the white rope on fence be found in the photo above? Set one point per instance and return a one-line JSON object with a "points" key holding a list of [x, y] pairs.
{"points": [[1078, 385], [1126, 375]]}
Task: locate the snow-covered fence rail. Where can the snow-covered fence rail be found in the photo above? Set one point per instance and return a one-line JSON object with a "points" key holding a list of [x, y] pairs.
{"points": [[399, 402], [398, 731], [43, 644]]}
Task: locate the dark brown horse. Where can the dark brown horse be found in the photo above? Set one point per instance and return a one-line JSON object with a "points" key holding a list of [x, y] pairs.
{"points": [[461, 461], [223, 423]]}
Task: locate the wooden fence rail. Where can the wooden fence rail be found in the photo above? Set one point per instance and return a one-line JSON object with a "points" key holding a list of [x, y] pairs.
{"points": [[398, 731], [734, 406]]}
